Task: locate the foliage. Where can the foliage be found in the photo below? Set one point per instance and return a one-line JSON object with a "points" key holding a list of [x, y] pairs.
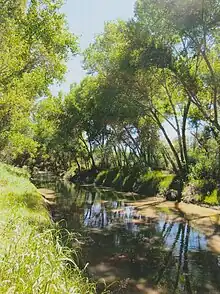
{"points": [[109, 178], [150, 102], [29, 242], [166, 182], [35, 43], [211, 199], [101, 178], [118, 181], [128, 183], [153, 182]]}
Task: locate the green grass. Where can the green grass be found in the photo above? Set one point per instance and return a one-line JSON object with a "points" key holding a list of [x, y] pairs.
{"points": [[154, 182], [211, 199], [32, 259]]}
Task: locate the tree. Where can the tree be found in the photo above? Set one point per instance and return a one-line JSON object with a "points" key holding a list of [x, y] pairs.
{"points": [[167, 55], [35, 43]]}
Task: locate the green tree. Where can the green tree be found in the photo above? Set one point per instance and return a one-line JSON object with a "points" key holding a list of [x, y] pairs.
{"points": [[35, 43]]}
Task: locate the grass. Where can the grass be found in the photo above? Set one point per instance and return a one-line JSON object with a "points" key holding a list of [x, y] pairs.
{"points": [[154, 182], [32, 259], [211, 199], [202, 191], [164, 210]]}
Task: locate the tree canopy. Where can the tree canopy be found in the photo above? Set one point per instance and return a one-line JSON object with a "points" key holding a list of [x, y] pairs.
{"points": [[150, 100]]}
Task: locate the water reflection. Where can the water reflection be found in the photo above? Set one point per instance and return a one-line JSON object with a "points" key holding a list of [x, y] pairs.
{"points": [[140, 254]]}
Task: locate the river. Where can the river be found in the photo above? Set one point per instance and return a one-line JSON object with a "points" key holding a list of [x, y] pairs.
{"points": [[130, 253]]}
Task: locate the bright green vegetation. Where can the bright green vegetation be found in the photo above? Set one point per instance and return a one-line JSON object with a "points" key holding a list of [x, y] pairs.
{"points": [[32, 257], [161, 74], [35, 43], [111, 128], [212, 199], [162, 71], [149, 184], [202, 191]]}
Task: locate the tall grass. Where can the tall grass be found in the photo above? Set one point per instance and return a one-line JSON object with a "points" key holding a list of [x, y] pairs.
{"points": [[31, 257]]}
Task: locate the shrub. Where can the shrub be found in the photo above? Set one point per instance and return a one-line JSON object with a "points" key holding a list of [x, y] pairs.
{"points": [[118, 181], [166, 182], [201, 190], [211, 199], [109, 178], [128, 183], [204, 168], [154, 182], [100, 178], [70, 173]]}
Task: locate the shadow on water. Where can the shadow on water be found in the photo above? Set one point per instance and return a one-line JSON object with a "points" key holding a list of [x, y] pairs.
{"points": [[131, 253]]}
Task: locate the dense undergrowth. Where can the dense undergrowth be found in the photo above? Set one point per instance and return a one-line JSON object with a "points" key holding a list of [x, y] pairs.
{"points": [[32, 257]]}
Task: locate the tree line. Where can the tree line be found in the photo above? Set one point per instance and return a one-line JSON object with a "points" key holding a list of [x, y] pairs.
{"points": [[156, 72]]}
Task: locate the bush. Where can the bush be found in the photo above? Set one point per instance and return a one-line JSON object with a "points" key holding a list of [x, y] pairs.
{"points": [[154, 182], [204, 168], [70, 173], [203, 191], [118, 181], [128, 183], [100, 178], [211, 199], [166, 182], [109, 178]]}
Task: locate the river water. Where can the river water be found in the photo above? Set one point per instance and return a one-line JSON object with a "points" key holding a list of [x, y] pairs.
{"points": [[128, 253]]}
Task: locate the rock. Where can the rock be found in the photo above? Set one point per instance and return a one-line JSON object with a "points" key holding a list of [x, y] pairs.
{"points": [[171, 195]]}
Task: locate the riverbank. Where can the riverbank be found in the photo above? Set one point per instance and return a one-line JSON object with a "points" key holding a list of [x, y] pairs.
{"points": [[162, 183], [206, 220], [32, 257], [132, 248], [191, 209]]}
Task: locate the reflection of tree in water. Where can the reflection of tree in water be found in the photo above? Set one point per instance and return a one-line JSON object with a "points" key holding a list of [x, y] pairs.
{"points": [[140, 252], [156, 254], [160, 256], [95, 214], [187, 271]]}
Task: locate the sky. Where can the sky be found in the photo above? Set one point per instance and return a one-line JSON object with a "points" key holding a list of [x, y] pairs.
{"points": [[86, 19]]}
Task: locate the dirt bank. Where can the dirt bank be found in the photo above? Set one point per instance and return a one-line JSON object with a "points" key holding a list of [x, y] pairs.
{"points": [[204, 219]]}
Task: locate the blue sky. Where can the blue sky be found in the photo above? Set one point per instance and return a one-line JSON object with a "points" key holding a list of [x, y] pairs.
{"points": [[86, 18]]}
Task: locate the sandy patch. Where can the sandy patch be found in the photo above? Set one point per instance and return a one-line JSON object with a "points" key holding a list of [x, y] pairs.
{"points": [[206, 220]]}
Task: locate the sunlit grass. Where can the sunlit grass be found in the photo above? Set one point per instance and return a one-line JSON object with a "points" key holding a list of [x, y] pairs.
{"points": [[31, 257], [211, 199]]}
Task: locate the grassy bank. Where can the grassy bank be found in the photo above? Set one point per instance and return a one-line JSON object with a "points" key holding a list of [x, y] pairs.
{"points": [[31, 257], [124, 180], [151, 183]]}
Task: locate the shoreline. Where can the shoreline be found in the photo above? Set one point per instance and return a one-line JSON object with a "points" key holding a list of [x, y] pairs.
{"points": [[205, 220], [202, 217]]}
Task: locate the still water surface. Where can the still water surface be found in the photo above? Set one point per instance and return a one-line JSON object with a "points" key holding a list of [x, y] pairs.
{"points": [[131, 253]]}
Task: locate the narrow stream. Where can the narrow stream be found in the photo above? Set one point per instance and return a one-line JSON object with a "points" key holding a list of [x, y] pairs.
{"points": [[134, 254]]}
